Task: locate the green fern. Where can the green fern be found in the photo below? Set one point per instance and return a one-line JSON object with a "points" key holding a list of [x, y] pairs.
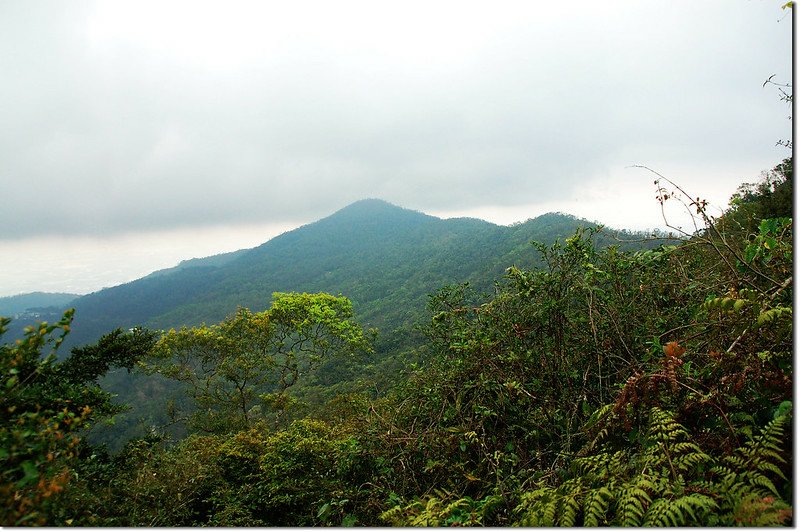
{"points": [[669, 481], [634, 502], [773, 314], [440, 510], [681, 511], [596, 506]]}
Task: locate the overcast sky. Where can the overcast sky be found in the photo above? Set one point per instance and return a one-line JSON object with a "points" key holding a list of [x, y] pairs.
{"points": [[136, 134]]}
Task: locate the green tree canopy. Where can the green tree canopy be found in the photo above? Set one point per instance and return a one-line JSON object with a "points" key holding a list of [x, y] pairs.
{"points": [[249, 360]]}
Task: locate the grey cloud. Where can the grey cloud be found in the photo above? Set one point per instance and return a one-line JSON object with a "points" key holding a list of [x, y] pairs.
{"points": [[103, 140]]}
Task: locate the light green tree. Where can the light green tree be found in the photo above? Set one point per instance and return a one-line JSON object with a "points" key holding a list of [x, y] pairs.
{"points": [[250, 360]]}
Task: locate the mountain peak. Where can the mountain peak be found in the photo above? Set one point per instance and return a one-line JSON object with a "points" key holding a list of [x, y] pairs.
{"points": [[371, 208], [370, 202]]}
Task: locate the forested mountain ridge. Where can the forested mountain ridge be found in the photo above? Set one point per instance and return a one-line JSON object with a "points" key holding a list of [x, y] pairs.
{"points": [[33, 307], [213, 260], [12, 305], [385, 258]]}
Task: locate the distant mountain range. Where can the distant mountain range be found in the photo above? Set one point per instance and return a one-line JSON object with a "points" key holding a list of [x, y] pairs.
{"points": [[34, 302], [385, 258]]}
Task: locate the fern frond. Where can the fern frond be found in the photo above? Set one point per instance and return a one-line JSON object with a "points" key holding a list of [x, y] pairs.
{"points": [[633, 504], [570, 508], [736, 462], [762, 454], [758, 480], [773, 314], [772, 468], [548, 513], [538, 507], [663, 426], [688, 510], [658, 514], [596, 506]]}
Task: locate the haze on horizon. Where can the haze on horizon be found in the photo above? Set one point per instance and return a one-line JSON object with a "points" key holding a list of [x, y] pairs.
{"points": [[138, 134]]}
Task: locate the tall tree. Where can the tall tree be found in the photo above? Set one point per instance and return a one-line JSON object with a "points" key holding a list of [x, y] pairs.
{"points": [[250, 360]]}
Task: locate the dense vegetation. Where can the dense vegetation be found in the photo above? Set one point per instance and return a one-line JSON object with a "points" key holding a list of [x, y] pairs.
{"points": [[593, 386], [385, 259]]}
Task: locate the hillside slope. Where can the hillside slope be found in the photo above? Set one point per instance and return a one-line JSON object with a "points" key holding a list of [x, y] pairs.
{"points": [[386, 259]]}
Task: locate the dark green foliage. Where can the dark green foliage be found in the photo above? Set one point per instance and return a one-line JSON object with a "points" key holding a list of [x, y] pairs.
{"points": [[514, 376], [37, 424], [691, 344], [771, 197], [308, 474], [149, 485], [117, 349], [44, 407]]}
